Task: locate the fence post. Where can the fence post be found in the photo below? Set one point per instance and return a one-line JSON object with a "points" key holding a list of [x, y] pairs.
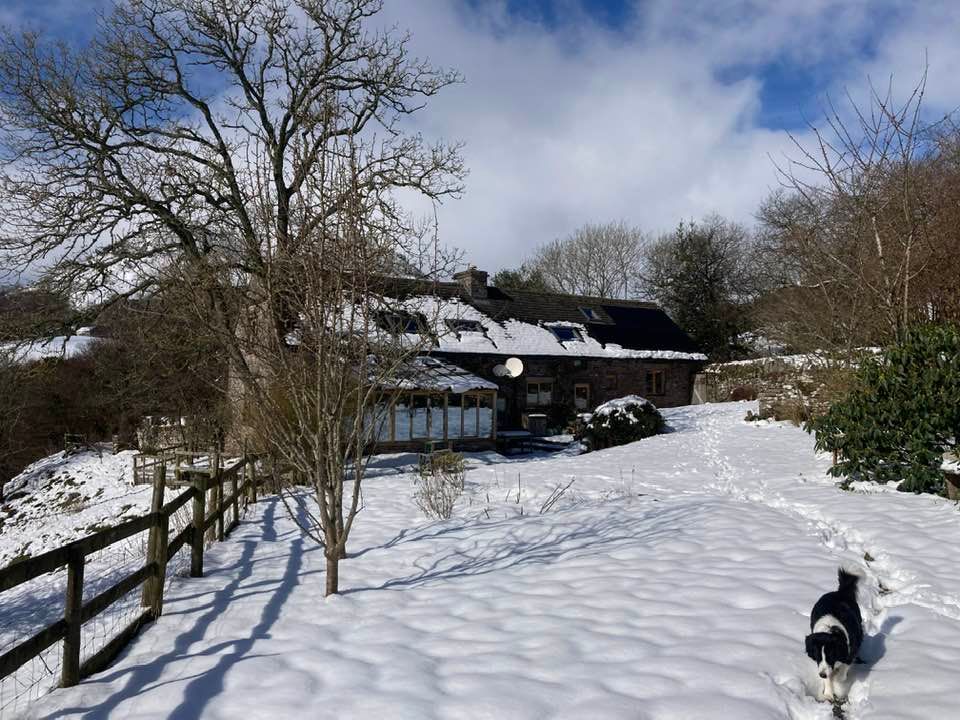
{"points": [[157, 545], [73, 605], [235, 490], [163, 542], [199, 517], [218, 481], [156, 502]]}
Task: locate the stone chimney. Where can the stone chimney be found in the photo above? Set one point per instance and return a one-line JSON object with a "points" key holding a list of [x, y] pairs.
{"points": [[474, 282]]}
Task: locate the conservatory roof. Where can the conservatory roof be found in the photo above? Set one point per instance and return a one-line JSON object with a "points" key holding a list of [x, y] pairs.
{"points": [[436, 375]]}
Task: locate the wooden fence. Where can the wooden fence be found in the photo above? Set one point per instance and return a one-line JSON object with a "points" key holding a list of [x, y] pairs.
{"points": [[173, 459], [151, 576]]}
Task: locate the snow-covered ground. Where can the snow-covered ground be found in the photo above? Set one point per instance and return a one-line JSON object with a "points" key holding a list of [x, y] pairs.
{"points": [[62, 497], [673, 580]]}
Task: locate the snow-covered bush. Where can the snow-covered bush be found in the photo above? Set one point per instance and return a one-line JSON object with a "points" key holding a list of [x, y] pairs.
{"points": [[439, 483], [621, 421]]}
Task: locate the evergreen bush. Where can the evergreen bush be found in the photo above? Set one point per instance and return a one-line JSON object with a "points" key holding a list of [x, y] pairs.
{"points": [[621, 421], [902, 414]]}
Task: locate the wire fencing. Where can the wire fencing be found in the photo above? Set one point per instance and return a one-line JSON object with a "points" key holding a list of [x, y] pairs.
{"points": [[115, 595]]}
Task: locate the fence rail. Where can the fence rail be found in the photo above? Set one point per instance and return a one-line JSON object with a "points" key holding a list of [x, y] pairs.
{"points": [[173, 459], [161, 548]]}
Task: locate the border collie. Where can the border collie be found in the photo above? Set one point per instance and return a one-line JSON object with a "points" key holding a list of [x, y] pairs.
{"points": [[836, 633]]}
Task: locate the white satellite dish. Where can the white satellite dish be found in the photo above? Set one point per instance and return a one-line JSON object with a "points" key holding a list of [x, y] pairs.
{"points": [[500, 370], [514, 367]]}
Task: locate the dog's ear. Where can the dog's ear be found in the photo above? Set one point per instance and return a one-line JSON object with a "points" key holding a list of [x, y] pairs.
{"points": [[811, 645], [840, 648]]}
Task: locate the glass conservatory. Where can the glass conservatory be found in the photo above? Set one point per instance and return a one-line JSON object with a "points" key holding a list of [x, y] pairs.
{"points": [[435, 403]]}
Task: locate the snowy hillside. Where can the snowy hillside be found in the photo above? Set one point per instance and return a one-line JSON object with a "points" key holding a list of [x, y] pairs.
{"points": [[63, 497], [673, 580]]}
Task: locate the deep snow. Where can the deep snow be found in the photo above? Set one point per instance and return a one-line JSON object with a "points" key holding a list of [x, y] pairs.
{"points": [[673, 580]]}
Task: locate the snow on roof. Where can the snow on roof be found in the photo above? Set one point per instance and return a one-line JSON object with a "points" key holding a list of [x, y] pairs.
{"points": [[57, 347], [515, 337], [429, 373]]}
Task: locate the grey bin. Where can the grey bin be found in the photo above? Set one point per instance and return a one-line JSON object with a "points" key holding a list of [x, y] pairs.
{"points": [[535, 423]]}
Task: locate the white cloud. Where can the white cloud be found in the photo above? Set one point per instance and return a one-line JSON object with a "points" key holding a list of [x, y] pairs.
{"points": [[578, 123], [583, 123]]}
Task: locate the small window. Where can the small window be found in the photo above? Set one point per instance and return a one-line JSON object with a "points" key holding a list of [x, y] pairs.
{"points": [[539, 394], [581, 396], [656, 382], [564, 333], [590, 314], [400, 322], [460, 325]]}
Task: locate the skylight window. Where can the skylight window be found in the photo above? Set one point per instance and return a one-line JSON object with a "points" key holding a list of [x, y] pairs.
{"points": [[564, 333], [460, 325], [590, 314], [400, 322]]}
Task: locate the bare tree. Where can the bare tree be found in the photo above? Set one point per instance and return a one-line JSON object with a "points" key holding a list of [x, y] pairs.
{"points": [[601, 260], [195, 140], [323, 386], [851, 235]]}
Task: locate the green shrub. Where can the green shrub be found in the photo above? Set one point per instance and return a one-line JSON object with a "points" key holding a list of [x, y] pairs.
{"points": [[621, 421], [901, 415]]}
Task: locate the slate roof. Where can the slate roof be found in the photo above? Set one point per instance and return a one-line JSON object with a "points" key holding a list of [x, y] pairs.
{"points": [[614, 328], [631, 325]]}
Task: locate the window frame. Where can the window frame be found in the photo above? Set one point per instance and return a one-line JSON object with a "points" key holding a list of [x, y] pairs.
{"points": [[456, 325], [655, 378], [540, 382], [576, 387], [576, 335], [400, 322]]}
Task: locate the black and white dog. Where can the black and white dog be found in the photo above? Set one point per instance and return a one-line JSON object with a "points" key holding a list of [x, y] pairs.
{"points": [[836, 633]]}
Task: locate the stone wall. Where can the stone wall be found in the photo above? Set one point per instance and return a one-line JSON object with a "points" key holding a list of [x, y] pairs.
{"points": [[784, 388]]}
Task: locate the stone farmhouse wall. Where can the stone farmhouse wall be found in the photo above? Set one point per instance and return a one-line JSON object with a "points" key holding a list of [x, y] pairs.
{"points": [[606, 378]]}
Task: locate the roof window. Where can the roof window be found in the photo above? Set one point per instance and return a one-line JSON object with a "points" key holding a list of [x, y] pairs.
{"points": [[590, 314], [565, 333], [463, 325], [400, 322]]}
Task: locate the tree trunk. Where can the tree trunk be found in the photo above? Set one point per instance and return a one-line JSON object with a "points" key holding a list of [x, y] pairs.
{"points": [[333, 574]]}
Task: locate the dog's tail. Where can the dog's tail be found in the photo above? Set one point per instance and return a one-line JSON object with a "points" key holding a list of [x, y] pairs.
{"points": [[848, 582]]}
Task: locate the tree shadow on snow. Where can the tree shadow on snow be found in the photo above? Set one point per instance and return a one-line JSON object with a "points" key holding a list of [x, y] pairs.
{"points": [[207, 685], [535, 544]]}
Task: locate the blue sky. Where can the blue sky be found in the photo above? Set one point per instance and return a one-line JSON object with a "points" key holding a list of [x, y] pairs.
{"points": [[649, 111]]}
